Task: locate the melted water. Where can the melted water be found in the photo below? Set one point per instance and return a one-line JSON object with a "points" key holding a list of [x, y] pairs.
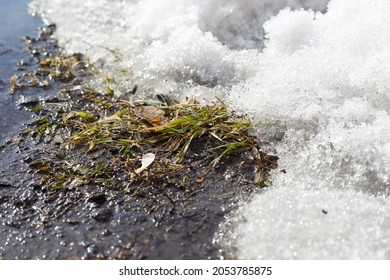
{"points": [[15, 23]]}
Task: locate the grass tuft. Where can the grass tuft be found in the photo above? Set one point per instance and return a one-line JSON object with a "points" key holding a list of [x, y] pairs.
{"points": [[101, 139]]}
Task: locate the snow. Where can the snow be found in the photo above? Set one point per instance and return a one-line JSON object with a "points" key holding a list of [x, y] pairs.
{"points": [[168, 46], [294, 223], [317, 90]]}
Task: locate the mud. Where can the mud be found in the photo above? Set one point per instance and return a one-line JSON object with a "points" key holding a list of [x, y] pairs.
{"points": [[96, 222], [93, 222]]}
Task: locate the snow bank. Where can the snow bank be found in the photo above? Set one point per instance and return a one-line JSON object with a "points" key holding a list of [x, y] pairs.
{"points": [[294, 223], [318, 93], [323, 89], [166, 46]]}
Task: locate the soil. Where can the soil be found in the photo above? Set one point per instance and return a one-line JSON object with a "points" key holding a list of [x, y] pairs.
{"points": [[93, 222]]}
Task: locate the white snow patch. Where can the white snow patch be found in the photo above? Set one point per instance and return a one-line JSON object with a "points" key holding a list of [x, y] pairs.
{"points": [[322, 88], [288, 223], [167, 46]]}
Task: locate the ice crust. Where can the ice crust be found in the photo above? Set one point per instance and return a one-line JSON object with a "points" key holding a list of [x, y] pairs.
{"points": [[318, 93]]}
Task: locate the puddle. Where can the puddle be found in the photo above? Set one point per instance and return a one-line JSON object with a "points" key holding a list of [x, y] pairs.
{"points": [[15, 23]]}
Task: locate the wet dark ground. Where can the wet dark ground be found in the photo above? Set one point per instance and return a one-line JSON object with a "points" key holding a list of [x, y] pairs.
{"points": [[92, 221], [15, 23]]}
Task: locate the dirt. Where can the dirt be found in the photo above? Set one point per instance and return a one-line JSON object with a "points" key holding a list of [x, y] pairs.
{"points": [[170, 217], [90, 222]]}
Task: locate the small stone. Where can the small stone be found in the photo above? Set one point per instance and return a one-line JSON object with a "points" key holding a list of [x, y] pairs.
{"points": [[28, 197], [99, 199], [72, 221], [102, 216]]}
